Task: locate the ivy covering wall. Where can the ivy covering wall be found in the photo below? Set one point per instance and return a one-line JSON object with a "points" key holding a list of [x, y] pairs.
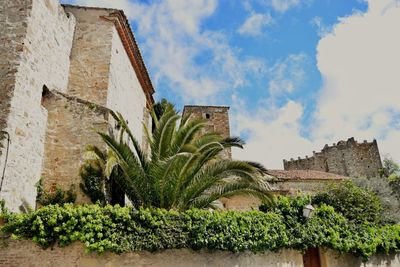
{"points": [[125, 229]]}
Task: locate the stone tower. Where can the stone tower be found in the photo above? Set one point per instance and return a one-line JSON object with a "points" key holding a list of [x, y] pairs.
{"points": [[217, 117], [348, 158]]}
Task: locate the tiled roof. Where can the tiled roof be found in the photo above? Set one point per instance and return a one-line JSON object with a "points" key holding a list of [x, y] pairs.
{"points": [[305, 175]]}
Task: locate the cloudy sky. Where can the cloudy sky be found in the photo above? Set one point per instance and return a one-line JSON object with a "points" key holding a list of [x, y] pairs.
{"points": [[296, 73]]}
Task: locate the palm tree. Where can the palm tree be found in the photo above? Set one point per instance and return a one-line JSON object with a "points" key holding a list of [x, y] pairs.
{"points": [[184, 169]]}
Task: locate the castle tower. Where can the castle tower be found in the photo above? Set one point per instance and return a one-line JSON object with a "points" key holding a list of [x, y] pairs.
{"points": [[348, 158], [217, 117]]}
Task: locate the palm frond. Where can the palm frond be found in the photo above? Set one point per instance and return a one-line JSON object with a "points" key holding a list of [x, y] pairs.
{"points": [[140, 154], [184, 168], [228, 190], [233, 142], [131, 167]]}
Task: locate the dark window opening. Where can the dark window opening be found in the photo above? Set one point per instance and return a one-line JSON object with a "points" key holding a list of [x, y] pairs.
{"points": [[117, 194], [208, 116], [45, 94]]}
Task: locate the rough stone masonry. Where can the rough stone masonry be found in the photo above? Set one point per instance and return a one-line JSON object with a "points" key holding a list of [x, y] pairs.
{"points": [[348, 158], [62, 68]]}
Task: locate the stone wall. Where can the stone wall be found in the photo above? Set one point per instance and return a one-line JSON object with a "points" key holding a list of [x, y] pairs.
{"points": [[348, 158], [125, 94], [39, 39], [217, 118], [70, 128], [330, 258], [293, 187], [241, 203], [13, 26], [26, 253], [91, 55]]}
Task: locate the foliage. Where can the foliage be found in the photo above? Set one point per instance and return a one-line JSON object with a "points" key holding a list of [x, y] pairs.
{"points": [[391, 170], [355, 203], [93, 174], [159, 108], [59, 196], [382, 187], [125, 229], [184, 168]]}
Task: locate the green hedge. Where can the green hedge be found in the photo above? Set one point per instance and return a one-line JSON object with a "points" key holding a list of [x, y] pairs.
{"points": [[124, 229]]}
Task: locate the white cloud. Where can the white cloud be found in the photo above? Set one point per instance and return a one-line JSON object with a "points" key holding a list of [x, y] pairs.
{"points": [[280, 6], [322, 29], [173, 41], [287, 74], [255, 24], [360, 62], [273, 134], [284, 5]]}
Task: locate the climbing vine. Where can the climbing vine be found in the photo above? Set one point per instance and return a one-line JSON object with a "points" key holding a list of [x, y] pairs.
{"points": [[118, 229]]}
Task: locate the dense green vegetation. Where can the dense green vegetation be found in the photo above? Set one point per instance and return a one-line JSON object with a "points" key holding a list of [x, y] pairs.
{"points": [[123, 229], [391, 171], [355, 203], [59, 196], [183, 170]]}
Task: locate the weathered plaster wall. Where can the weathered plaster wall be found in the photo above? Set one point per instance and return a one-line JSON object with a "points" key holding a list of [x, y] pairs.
{"points": [[69, 130], [348, 158], [91, 55], [25, 253], [42, 38], [13, 26], [330, 258], [241, 203], [304, 186], [125, 94]]}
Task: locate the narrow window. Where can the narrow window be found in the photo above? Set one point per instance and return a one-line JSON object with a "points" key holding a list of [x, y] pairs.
{"points": [[45, 94]]}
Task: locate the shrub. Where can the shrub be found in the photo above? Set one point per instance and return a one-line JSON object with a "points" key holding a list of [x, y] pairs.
{"points": [[93, 181], [382, 187], [124, 229], [355, 203], [59, 196]]}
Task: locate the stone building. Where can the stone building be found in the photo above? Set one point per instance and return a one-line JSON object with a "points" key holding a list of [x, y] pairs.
{"points": [[348, 158], [62, 69], [305, 181], [217, 118], [286, 182]]}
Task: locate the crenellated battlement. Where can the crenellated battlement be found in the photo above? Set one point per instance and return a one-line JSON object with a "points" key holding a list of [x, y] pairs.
{"points": [[349, 158]]}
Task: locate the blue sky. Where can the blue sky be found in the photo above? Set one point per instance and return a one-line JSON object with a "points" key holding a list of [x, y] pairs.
{"points": [[296, 73]]}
